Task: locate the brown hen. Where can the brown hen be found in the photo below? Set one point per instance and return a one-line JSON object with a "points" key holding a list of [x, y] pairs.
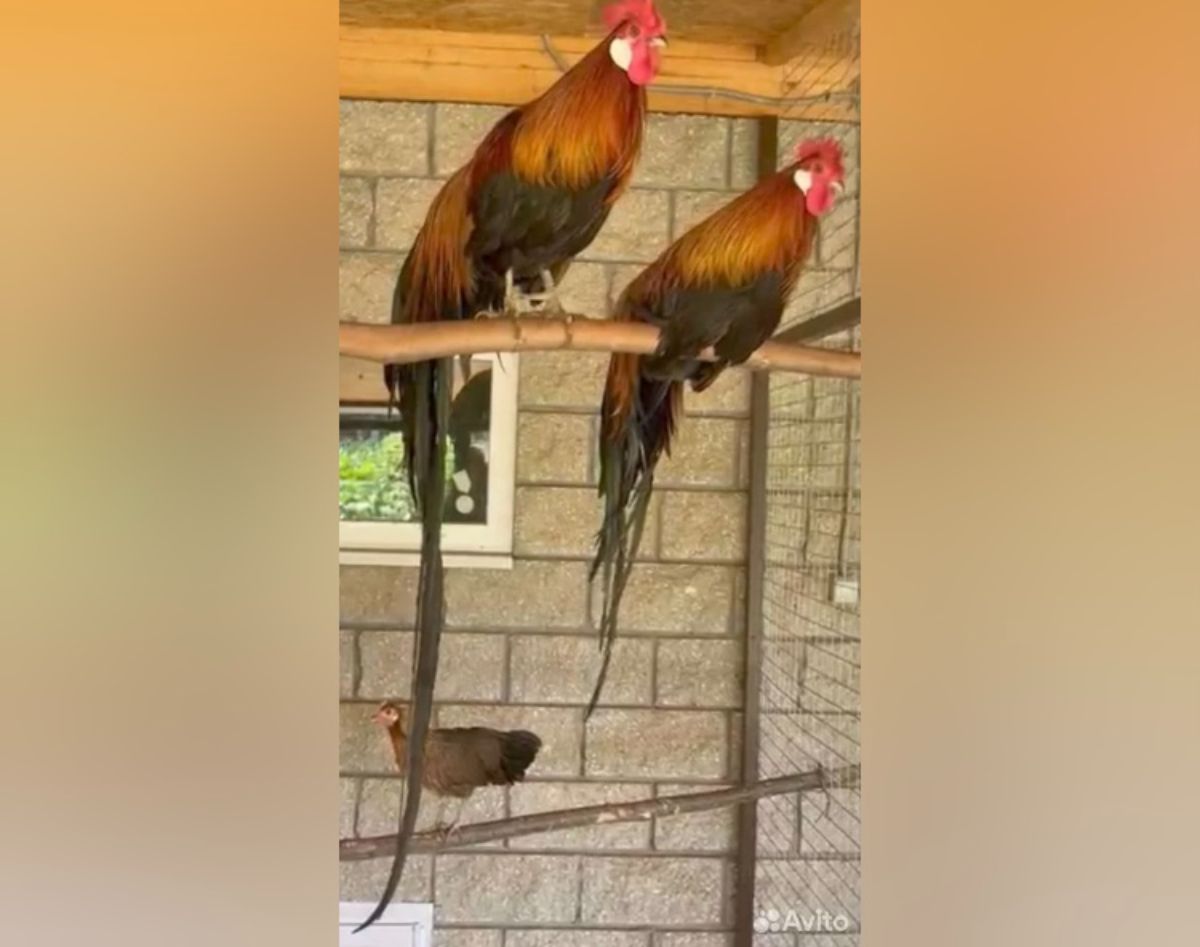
{"points": [[459, 760]]}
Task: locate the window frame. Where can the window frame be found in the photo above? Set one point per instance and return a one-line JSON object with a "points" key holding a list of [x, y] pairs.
{"points": [[473, 545], [416, 916]]}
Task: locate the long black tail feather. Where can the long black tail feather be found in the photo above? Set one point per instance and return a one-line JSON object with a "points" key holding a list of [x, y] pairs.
{"points": [[425, 389], [628, 458]]}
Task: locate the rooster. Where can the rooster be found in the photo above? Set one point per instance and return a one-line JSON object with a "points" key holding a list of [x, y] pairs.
{"points": [[459, 760], [534, 194], [723, 284]]}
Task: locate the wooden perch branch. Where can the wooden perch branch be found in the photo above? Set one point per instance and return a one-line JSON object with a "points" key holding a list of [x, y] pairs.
{"points": [[383, 846], [414, 343]]}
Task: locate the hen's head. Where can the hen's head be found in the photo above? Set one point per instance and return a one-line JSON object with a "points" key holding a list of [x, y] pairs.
{"points": [[818, 172], [639, 33], [389, 714]]}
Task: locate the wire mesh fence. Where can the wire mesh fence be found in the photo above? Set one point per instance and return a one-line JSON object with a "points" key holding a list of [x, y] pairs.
{"points": [[821, 93], [807, 873]]}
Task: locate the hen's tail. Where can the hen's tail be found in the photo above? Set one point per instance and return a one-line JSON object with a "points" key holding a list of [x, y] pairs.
{"points": [[517, 751], [638, 420]]}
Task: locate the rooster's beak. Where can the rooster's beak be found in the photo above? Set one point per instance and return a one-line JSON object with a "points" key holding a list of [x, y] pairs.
{"points": [[839, 188], [659, 41]]}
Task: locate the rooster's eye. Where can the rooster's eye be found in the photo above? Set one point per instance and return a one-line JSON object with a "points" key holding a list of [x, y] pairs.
{"points": [[634, 31]]}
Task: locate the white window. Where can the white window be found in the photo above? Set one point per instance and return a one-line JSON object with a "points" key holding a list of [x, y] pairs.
{"points": [[378, 520], [402, 925]]}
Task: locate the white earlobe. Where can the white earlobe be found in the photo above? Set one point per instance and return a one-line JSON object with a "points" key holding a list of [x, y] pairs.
{"points": [[621, 51], [803, 179]]}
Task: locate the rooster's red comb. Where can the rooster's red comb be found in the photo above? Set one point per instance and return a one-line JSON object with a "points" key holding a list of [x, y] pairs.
{"points": [[828, 150], [641, 12]]}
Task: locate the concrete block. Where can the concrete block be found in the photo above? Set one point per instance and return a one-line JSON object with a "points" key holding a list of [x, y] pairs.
{"points": [[817, 291], [711, 831], [743, 164], [692, 939], [571, 380], [684, 151], [470, 666], [728, 395], [583, 289], [347, 806], [365, 285], [562, 521], [554, 448], [704, 526], [635, 230], [377, 593], [535, 595], [507, 888], [458, 131], [401, 205], [657, 744], [467, 937], [577, 938], [684, 598], [355, 206], [557, 669], [364, 881], [652, 891], [699, 673], [704, 452], [383, 137], [346, 663]]}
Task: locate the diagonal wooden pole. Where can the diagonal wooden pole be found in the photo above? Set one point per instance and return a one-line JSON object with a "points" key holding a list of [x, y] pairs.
{"points": [[382, 846]]}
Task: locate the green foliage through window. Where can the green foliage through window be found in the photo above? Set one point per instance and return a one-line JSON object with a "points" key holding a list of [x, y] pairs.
{"points": [[372, 482]]}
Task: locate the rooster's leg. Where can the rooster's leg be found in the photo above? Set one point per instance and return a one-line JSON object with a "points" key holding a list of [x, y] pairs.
{"points": [[551, 304], [516, 303]]}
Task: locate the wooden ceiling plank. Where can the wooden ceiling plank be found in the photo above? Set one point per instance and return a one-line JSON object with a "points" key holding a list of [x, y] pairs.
{"points": [[826, 23], [461, 67]]}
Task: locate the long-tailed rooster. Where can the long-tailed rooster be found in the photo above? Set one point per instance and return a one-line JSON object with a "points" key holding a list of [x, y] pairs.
{"points": [[459, 760], [534, 194], [723, 284]]}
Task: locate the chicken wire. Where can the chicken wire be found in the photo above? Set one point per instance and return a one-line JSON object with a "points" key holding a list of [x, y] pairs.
{"points": [[807, 871], [821, 92]]}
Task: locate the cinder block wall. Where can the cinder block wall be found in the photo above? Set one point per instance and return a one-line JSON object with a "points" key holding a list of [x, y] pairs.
{"points": [[520, 647]]}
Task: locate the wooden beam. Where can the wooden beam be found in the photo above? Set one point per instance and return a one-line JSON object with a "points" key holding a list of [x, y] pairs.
{"points": [[500, 69], [428, 340], [609, 813], [828, 25]]}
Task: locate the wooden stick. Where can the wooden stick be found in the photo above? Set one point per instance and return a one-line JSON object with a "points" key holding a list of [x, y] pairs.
{"points": [[417, 342], [383, 846]]}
